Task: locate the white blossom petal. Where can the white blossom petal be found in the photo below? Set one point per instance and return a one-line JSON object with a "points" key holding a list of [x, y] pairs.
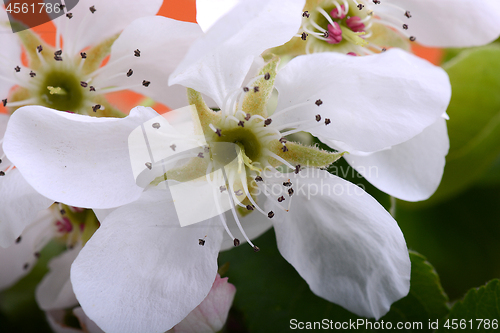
{"points": [[373, 102], [20, 206], [141, 264], [86, 29], [343, 243], [163, 43], [20, 202], [79, 160], [451, 23], [217, 64], [211, 314], [209, 11], [18, 259], [409, 171], [55, 290]]}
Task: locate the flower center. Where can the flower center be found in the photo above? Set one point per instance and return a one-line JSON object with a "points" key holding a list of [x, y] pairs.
{"points": [[335, 27], [60, 89], [244, 138], [74, 225], [346, 26]]}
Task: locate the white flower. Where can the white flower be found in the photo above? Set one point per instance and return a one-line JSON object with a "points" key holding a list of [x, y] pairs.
{"points": [[70, 78], [410, 170], [366, 26], [368, 103]]}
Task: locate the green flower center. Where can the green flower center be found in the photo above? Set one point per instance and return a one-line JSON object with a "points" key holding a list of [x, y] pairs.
{"points": [[60, 89], [244, 138]]}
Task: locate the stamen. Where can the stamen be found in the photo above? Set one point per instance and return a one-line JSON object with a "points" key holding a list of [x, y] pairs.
{"points": [[354, 23], [272, 201], [248, 195], [300, 124], [339, 11], [216, 130], [283, 111], [346, 5], [335, 33], [108, 90], [317, 26], [325, 14], [235, 215], [219, 210], [23, 102]]}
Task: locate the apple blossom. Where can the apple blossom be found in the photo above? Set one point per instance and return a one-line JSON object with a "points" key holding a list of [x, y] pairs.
{"points": [[415, 174], [365, 103], [69, 78], [367, 26], [151, 223]]}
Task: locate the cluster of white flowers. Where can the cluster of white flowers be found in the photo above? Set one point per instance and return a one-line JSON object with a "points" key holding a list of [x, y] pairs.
{"points": [[122, 200]]}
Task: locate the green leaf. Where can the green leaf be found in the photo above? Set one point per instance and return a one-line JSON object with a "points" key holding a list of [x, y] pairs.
{"points": [[474, 125], [479, 308], [426, 299]]}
